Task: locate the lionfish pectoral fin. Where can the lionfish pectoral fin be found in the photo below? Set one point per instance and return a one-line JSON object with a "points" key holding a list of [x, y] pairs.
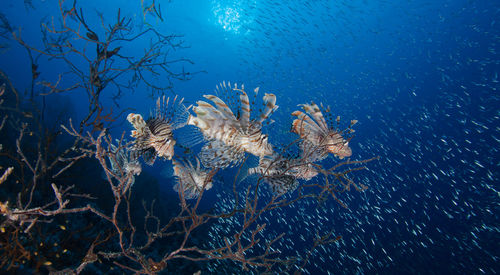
{"points": [[216, 154], [304, 123], [149, 156], [197, 122], [249, 169], [188, 136], [314, 111], [221, 106], [270, 106], [180, 116]]}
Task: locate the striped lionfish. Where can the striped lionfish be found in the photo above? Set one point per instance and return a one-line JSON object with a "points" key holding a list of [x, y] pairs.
{"points": [[318, 139], [154, 136], [124, 165], [230, 136], [282, 173], [191, 180]]}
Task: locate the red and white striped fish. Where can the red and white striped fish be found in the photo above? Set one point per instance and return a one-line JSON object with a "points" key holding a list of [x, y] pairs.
{"points": [[154, 137], [318, 139], [191, 180], [230, 136]]}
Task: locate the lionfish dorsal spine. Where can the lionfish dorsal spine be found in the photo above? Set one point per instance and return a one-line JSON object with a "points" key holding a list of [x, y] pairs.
{"points": [[171, 111], [304, 125], [206, 111], [221, 106], [245, 110], [314, 111]]}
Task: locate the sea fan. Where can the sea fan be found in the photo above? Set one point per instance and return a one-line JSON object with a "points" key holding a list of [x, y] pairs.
{"points": [[154, 137], [318, 139], [190, 179], [228, 136]]}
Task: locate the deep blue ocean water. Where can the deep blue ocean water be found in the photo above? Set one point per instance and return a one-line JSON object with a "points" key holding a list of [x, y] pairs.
{"points": [[420, 76]]}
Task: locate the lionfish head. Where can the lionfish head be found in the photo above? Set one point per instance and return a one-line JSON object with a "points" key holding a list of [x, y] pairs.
{"points": [[307, 172], [133, 168], [202, 177], [161, 138], [341, 150], [257, 145]]}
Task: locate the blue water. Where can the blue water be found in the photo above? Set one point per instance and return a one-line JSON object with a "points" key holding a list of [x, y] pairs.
{"points": [[421, 77]]}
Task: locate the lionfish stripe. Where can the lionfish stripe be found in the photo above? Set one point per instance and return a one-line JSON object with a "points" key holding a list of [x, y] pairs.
{"points": [[205, 111], [216, 154], [304, 126], [314, 111], [306, 119], [158, 106], [203, 104], [221, 106], [139, 124], [245, 108], [270, 101]]}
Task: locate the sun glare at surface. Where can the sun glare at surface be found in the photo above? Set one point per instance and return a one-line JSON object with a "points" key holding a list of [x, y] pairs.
{"points": [[234, 16]]}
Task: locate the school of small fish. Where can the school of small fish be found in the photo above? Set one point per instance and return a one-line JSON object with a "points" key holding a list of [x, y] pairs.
{"points": [[422, 78]]}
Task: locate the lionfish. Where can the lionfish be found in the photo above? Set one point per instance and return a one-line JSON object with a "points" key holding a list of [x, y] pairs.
{"points": [[282, 173], [228, 136], [154, 136], [124, 162], [318, 139], [190, 179]]}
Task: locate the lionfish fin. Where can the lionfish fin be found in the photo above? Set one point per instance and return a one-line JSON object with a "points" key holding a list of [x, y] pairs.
{"points": [[304, 125], [245, 110], [249, 169], [140, 126], [181, 116], [221, 106], [206, 111], [175, 112], [197, 122], [314, 111], [149, 156], [188, 136], [191, 179], [270, 102], [216, 154]]}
